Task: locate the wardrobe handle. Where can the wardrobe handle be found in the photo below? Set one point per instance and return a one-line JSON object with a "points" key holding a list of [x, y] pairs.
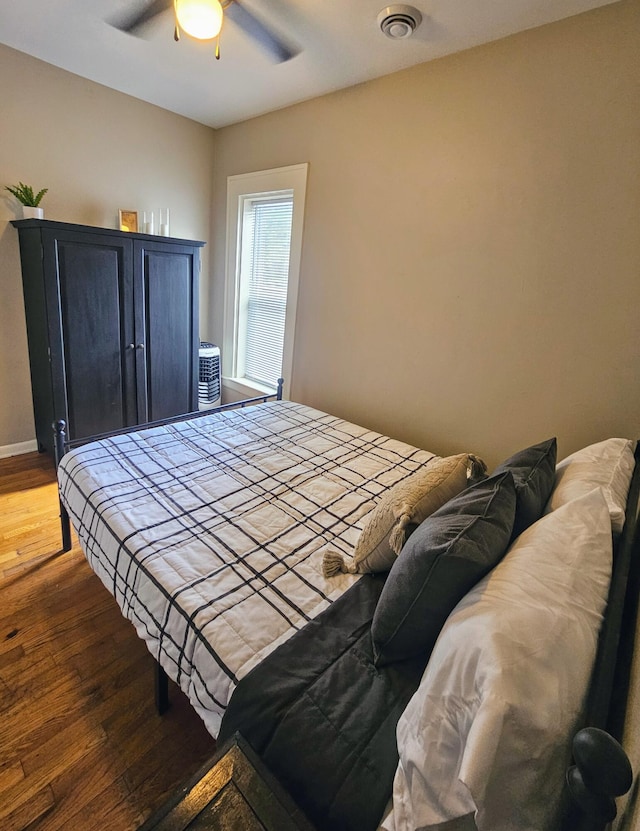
{"points": [[131, 346], [140, 346]]}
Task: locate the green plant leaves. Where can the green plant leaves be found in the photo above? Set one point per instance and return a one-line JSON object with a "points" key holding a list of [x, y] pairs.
{"points": [[24, 194]]}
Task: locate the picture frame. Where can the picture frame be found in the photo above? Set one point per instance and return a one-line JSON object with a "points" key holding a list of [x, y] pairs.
{"points": [[128, 220]]}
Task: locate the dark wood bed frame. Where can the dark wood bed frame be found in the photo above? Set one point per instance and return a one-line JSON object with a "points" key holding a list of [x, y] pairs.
{"points": [[62, 444], [601, 770]]}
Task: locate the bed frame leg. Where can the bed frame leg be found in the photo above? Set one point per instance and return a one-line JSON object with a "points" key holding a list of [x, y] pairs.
{"points": [[65, 527], [59, 439], [162, 690]]}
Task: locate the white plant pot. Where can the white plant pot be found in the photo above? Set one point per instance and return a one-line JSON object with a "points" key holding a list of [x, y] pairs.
{"points": [[32, 213]]}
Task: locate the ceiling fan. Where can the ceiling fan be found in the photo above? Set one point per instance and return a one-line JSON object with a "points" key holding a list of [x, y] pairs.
{"points": [[202, 19]]}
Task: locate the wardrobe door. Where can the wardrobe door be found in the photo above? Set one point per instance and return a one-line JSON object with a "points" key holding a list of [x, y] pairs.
{"points": [[167, 340], [94, 346]]}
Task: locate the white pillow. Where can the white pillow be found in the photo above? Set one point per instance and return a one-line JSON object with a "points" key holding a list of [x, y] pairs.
{"points": [[488, 730], [608, 464]]}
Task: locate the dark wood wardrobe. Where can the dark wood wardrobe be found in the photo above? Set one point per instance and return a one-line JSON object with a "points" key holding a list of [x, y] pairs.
{"points": [[112, 324]]}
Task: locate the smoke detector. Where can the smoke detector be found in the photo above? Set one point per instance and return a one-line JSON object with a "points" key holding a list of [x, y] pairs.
{"points": [[398, 22]]}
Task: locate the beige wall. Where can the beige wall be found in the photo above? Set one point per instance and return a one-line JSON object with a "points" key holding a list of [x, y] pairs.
{"points": [[97, 151], [471, 260]]}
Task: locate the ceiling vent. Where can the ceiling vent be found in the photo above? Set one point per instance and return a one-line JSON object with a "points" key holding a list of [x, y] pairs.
{"points": [[398, 22]]}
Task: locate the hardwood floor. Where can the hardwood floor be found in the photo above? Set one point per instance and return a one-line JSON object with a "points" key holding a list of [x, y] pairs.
{"points": [[81, 746]]}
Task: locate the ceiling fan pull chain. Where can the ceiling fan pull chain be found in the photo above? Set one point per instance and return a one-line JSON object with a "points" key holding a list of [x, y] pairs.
{"points": [[176, 31], [218, 48]]}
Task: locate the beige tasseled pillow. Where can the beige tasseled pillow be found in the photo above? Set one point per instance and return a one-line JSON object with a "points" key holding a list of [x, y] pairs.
{"points": [[407, 503]]}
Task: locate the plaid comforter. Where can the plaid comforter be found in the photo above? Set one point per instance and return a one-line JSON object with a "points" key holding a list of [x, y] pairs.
{"points": [[210, 533]]}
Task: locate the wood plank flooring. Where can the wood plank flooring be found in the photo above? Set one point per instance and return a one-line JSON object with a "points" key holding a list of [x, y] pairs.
{"points": [[81, 746]]}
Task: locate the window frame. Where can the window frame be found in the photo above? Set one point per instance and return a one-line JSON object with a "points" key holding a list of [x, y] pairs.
{"points": [[239, 188]]}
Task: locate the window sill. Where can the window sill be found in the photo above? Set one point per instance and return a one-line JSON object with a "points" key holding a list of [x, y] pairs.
{"points": [[247, 389]]}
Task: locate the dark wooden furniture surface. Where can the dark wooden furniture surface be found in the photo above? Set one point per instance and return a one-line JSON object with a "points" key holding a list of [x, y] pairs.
{"points": [[234, 792], [112, 323]]}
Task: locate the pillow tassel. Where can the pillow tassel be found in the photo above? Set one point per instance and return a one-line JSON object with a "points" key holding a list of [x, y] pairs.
{"points": [[477, 469], [398, 535], [334, 563]]}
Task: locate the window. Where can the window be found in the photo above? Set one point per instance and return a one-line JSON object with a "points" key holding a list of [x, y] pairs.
{"points": [[264, 240], [264, 277]]}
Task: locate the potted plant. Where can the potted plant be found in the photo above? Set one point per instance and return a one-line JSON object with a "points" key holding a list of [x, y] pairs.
{"points": [[30, 202]]}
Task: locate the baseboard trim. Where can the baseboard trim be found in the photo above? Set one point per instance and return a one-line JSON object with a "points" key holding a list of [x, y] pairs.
{"points": [[18, 449]]}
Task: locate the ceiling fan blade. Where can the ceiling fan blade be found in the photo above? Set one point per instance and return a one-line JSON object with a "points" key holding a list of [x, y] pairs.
{"points": [[260, 32], [133, 22]]}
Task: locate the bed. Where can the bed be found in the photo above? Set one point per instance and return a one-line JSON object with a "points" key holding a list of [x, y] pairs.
{"points": [[211, 533]]}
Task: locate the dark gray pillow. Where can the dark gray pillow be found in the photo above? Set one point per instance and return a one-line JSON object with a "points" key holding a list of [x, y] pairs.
{"points": [[440, 562], [534, 474]]}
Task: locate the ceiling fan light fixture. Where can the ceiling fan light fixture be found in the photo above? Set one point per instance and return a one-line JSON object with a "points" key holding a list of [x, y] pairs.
{"points": [[399, 22], [202, 19]]}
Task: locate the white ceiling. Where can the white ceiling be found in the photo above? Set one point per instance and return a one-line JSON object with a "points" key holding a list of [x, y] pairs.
{"points": [[340, 41]]}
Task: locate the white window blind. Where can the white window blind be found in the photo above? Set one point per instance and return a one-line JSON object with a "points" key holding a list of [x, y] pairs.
{"points": [[264, 276]]}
